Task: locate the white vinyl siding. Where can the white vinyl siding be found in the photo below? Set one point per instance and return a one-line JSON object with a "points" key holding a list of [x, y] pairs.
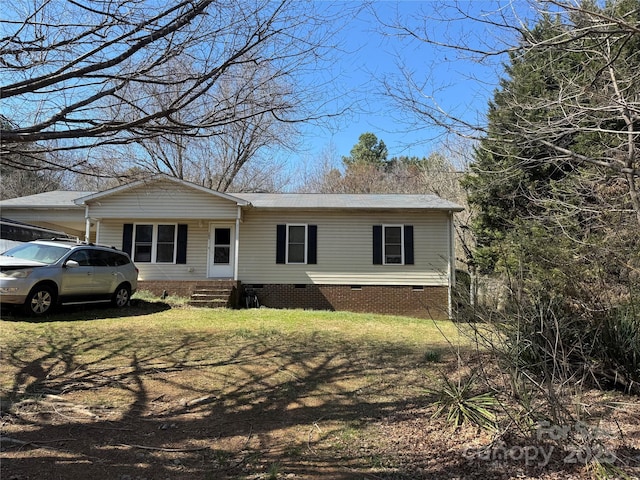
{"points": [[162, 201], [197, 244], [344, 239], [344, 249]]}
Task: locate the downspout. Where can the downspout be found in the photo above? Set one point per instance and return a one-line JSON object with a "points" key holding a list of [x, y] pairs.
{"points": [[87, 224], [451, 266], [236, 252]]}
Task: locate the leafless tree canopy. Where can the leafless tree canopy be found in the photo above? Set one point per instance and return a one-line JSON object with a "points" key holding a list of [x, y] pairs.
{"points": [[599, 97], [220, 159], [78, 75]]}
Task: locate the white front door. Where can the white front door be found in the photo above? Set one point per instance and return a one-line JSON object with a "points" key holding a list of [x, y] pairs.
{"points": [[221, 241]]}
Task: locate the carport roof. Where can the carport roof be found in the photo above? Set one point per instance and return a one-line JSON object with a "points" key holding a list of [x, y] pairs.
{"points": [[53, 199]]}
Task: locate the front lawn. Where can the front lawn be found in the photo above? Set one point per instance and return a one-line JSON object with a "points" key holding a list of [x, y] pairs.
{"points": [[174, 392]]}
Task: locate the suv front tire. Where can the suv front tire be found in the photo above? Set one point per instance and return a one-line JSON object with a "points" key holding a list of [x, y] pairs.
{"points": [[40, 301]]}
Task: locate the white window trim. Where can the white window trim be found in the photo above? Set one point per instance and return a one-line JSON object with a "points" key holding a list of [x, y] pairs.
{"points": [[306, 243], [154, 242], [384, 244]]}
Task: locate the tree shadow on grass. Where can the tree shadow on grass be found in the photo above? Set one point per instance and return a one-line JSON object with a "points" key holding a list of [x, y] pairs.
{"points": [[88, 311], [239, 404]]}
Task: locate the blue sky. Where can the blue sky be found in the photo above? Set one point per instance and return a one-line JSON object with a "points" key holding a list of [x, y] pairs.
{"points": [[460, 85]]}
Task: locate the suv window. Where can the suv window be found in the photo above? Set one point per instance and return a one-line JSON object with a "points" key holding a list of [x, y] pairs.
{"points": [[99, 258], [82, 257], [102, 258], [35, 251], [118, 259]]}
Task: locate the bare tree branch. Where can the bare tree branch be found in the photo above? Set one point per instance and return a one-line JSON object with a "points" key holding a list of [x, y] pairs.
{"points": [[76, 75]]}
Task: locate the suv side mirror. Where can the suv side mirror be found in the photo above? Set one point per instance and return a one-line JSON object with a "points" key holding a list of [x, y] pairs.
{"points": [[71, 264]]}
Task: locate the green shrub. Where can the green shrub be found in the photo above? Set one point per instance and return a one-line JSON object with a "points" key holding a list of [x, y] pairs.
{"points": [[618, 349]]}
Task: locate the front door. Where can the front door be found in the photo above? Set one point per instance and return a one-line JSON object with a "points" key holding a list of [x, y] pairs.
{"points": [[221, 240]]}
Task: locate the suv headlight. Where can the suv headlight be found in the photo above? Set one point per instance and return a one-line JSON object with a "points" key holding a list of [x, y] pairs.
{"points": [[21, 273]]}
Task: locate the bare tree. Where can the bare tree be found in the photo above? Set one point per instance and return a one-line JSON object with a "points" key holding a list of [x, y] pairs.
{"points": [[77, 75], [256, 133], [598, 98], [216, 157], [315, 171]]}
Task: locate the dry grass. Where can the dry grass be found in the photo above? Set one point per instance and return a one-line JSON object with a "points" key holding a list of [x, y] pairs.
{"points": [[170, 391]]}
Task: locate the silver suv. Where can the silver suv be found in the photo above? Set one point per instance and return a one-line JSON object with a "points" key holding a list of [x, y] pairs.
{"points": [[44, 273]]}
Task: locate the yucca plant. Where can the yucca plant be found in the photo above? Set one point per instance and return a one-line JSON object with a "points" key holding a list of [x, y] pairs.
{"points": [[601, 470], [461, 404]]}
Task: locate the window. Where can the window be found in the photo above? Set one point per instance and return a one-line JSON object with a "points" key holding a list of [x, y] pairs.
{"points": [[296, 244], [104, 258], [154, 243], [222, 246], [143, 243], [393, 245], [81, 256], [165, 243]]}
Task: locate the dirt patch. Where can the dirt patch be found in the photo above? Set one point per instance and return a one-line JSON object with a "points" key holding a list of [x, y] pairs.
{"points": [[354, 435]]}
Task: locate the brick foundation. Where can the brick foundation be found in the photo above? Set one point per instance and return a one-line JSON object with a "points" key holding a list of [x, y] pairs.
{"points": [[421, 302]]}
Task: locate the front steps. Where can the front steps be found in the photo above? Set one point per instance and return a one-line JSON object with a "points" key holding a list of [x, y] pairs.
{"points": [[215, 294]]}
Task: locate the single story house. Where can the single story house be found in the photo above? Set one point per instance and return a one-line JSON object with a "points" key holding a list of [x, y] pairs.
{"points": [[357, 252]]}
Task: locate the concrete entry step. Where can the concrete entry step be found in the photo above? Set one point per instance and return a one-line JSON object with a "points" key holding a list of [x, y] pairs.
{"points": [[214, 294]]}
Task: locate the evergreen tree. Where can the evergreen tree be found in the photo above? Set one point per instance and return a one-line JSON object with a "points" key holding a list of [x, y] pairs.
{"points": [[551, 165], [369, 151]]}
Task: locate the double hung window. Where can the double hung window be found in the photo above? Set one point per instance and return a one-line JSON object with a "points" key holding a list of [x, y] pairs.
{"points": [[393, 245], [154, 243], [296, 244]]}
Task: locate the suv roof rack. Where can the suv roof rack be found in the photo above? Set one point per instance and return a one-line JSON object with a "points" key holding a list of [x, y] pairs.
{"points": [[77, 241], [62, 239]]}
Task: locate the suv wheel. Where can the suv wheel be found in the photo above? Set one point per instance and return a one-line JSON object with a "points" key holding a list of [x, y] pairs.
{"points": [[121, 296], [40, 301]]}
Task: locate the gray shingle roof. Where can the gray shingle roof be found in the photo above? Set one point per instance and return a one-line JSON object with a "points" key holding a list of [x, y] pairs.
{"points": [[350, 201], [65, 199], [53, 199]]}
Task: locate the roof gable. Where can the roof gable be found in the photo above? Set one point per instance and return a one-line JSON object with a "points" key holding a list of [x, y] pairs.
{"points": [[153, 180]]}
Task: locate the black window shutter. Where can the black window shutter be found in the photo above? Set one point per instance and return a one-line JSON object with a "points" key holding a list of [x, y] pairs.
{"points": [[312, 247], [127, 238], [408, 245], [377, 244], [181, 254], [281, 246]]}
